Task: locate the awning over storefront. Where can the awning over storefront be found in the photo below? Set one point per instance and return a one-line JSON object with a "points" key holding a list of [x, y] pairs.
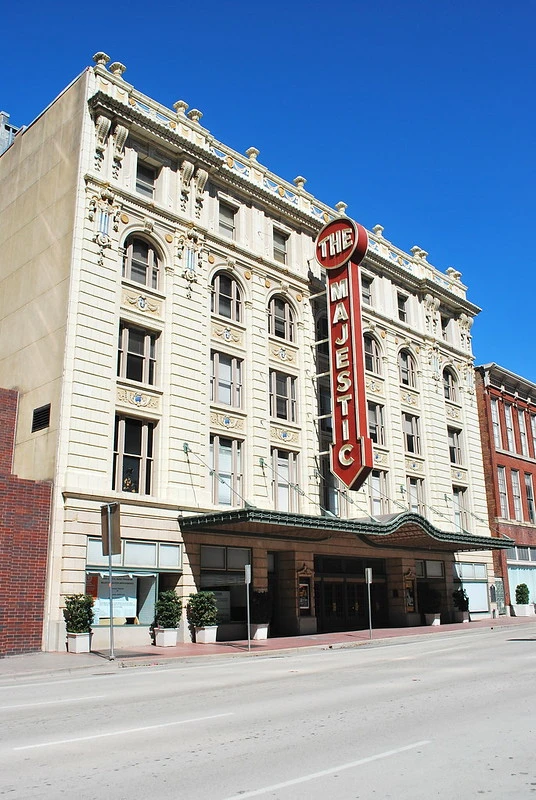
{"points": [[405, 531]]}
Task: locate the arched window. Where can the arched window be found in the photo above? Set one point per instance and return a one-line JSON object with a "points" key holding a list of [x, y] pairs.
{"points": [[450, 385], [281, 319], [226, 297], [373, 362], [140, 262], [407, 369]]}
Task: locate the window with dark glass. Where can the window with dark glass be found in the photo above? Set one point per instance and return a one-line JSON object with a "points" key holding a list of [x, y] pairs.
{"points": [[226, 220], [285, 487], [372, 355], [226, 297], [450, 389], [375, 423], [280, 242], [282, 396], [133, 455], [281, 319], [410, 428], [145, 179], [407, 369], [455, 448], [136, 353], [226, 470], [402, 306], [226, 379], [141, 263]]}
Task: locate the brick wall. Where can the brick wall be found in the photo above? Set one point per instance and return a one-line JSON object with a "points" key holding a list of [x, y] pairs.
{"points": [[24, 524]]}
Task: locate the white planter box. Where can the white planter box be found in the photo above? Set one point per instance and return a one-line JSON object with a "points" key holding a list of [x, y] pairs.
{"points": [[206, 635], [79, 642], [259, 630], [523, 610], [433, 619], [461, 616], [165, 637]]}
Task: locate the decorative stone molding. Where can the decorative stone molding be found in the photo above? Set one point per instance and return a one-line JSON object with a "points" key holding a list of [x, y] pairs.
{"points": [[381, 459], [283, 435], [283, 354], [431, 309], [117, 69], [101, 59], [374, 386], [227, 334], [300, 182], [102, 129], [252, 153], [378, 230], [459, 475], [453, 273], [140, 302], [180, 108], [195, 115], [140, 399], [120, 137], [341, 208], [453, 412], [226, 421], [201, 178], [414, 465], [409, 398]]}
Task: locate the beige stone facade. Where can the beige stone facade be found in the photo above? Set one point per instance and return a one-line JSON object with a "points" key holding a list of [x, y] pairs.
{"points": [[160, 294]]}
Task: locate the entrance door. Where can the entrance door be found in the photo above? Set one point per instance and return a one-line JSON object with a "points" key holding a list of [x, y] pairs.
{"points": [[342, 604]]}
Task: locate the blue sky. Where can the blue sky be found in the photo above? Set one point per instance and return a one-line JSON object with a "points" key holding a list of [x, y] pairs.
{"points": [[420, 115]]}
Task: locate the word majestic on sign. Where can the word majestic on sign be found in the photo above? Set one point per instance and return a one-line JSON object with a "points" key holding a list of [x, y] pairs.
{"points": [[351, 451]]}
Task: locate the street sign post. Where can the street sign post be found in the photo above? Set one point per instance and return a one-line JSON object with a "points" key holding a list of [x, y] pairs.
{"points": [[368, 581], [247, 581], [111, 545]]}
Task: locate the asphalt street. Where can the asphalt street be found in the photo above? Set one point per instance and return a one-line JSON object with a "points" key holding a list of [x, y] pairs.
{"points": [[444, 716]]}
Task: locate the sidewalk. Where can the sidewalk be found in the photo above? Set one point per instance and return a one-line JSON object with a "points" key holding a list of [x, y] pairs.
{"points": [[32, 665]]}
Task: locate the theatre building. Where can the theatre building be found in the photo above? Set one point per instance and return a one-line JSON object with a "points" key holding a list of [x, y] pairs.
{"points": [[164, 319], [507, 405]]}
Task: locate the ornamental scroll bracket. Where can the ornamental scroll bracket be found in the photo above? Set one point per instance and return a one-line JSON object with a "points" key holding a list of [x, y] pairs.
{"points": [[102, 129], [120, 137]]}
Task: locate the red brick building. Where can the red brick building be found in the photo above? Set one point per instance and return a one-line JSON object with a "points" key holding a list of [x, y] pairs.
{"points": [[24, 524], [507, 412]]}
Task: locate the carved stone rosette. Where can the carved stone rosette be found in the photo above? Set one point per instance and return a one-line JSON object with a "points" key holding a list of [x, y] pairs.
{"points": [[139, 399], [226, 421], [227, 334], [141, 302]]}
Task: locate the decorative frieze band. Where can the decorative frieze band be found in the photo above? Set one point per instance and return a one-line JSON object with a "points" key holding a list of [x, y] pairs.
{"points": [[141, 302], [226, 421], [139, 399], [283, 435], [227, 334]]}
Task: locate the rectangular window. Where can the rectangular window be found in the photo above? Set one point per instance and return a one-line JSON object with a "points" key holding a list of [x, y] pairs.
{"points": [[415, 490], [445, 324], [280, 242], [226, 380], [136, 354], [282, 396], [226, 471], [378, 500], [509, 427], [375, 423], [133, 455], [366, 290], [226, 220], [516, 495], [402, 306], [503, 495], [523, 432], [145, 179], [285, 484], [410, 429], [41, 418], [460, 508], [495, 421], [533, 433], [455, 449], [529, 494]]}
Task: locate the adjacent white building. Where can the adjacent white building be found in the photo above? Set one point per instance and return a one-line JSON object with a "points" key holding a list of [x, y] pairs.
{"points": [[163, 319]]}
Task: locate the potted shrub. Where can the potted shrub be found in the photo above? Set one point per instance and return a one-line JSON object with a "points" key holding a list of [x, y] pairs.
{"points": [[202, 613], [522, 607], [430, 604], [167, 611], [461, 601], [78, 615], [260, 613]]}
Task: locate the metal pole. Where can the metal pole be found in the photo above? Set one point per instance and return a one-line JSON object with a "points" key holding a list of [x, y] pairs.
{"points": [[369, 612], [109, 516], [248, 584]]}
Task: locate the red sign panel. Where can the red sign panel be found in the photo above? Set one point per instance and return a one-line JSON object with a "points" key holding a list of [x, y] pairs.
{"points": [[351, 450]]}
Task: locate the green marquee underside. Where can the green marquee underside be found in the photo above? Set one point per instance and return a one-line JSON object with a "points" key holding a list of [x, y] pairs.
{"points": [[401, 531]]}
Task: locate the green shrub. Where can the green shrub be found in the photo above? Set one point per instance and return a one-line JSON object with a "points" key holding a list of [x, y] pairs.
{"points": [[202, 609], [168, 609], [461, 600], [78, 613], [522, 594]]}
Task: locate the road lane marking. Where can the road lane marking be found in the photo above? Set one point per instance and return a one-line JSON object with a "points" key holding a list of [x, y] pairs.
{"points": [[313, 775], [54, 702], [122, 732]]}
